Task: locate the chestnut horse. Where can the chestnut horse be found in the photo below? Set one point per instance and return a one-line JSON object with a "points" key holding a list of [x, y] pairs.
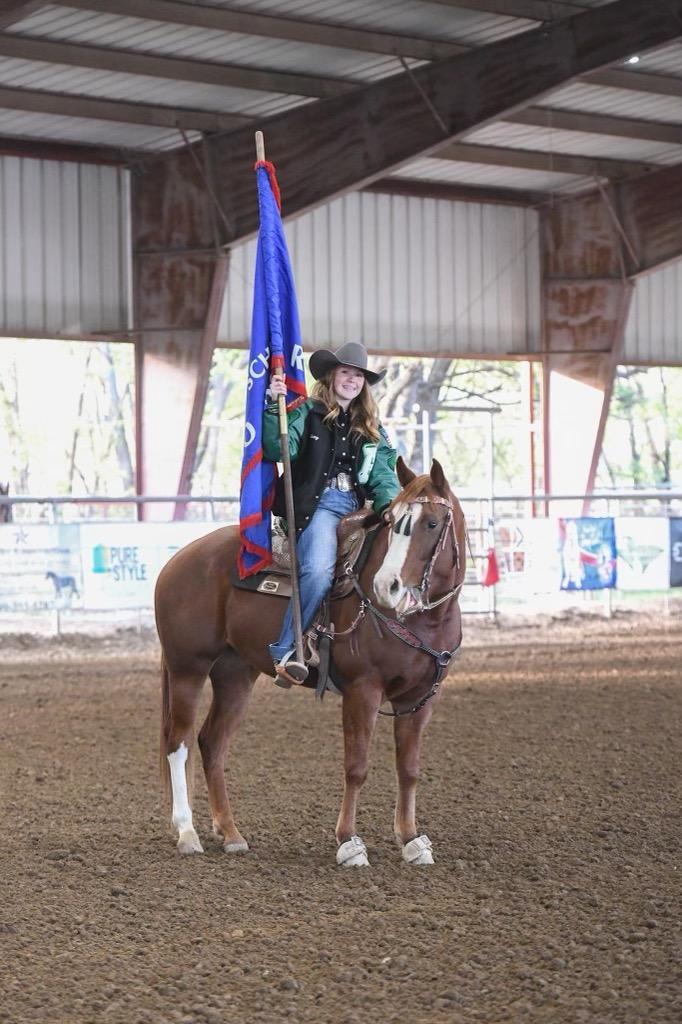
{"points": [[207, 627]]}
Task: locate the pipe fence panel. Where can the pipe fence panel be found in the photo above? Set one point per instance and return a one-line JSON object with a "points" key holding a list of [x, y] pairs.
{"points": [[631, 542]]}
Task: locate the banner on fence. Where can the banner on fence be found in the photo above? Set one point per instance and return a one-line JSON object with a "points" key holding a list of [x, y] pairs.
{"points": [[675, 552], [643, 544], [588, 553], [121, 561], [39, 567], [528, 556]]}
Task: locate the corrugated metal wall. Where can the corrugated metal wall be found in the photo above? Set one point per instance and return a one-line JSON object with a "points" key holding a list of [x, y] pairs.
{"points": [[64, 249], [416, 276], [654, 329]]}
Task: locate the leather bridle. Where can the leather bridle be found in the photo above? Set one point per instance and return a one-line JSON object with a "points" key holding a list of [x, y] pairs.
{"points": [[420, 594], [395, 626]]}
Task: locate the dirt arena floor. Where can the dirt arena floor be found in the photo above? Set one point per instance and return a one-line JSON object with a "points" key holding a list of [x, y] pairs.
{"points": [[551, 786]]}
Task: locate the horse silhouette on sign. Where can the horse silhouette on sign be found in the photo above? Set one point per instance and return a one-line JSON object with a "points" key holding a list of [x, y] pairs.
{"points": [[64, 586]]}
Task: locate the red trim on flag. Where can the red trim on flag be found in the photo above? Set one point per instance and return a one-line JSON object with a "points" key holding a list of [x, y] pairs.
{"points": [[252, 463], [265, 558], [254, 549], [277, 360], [298, 386], [296, 402], [270, 496], [272, 175], [245, 572]]}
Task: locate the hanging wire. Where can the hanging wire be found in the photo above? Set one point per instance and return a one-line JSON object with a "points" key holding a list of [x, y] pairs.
{"points": [[422, 92]]}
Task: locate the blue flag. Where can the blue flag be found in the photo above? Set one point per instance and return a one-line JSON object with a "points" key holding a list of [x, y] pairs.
{"points": [[275, 341]]}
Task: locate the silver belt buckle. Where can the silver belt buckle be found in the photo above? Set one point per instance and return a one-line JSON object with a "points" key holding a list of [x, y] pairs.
{"points": [[344, 481]]}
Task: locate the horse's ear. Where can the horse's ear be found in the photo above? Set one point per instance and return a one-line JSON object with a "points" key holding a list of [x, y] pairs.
{"points": [[405, 474], [438, 477]]}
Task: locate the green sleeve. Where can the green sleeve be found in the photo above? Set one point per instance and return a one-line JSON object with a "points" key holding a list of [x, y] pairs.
{"points": [[383, 483], [296, 420]]}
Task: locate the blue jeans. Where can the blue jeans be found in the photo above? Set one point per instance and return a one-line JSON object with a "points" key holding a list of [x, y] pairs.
{"points": [[316, 551]]}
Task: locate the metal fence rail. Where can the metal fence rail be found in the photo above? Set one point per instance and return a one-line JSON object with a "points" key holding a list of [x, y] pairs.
{"points": [[490, 519], [49, 507]]}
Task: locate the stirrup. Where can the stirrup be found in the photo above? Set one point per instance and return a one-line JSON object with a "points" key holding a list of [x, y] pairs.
{"points": [[290, 673]]}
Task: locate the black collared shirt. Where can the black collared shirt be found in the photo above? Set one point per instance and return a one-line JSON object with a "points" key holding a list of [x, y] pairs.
{"points": [[343, 454]]}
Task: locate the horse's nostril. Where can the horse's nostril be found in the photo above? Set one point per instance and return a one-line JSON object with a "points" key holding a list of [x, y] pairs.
{"points": [[395, 587]]}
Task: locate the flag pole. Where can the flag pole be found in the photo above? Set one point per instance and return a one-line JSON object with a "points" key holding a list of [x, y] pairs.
{"points": [[288, 487]]}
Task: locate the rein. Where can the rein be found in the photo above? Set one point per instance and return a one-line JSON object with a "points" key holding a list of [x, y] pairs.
{"points": [[442, 658], [397, 628], [421, 595]]}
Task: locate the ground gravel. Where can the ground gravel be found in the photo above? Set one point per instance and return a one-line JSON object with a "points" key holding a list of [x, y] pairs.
{"points": [[550, 791]]}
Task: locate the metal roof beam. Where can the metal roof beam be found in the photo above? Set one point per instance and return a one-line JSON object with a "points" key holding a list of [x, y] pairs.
{"points": [[649, 211], [644, 214], [125, 112], [533, 10], [637, 81], [451, 191], [225, 19], [532, 160], [138, 62], [12, 11], [601, 124], [325, 149], [53, 149]]}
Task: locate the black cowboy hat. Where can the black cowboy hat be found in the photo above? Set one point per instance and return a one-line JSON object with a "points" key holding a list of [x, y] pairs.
{"points": [[353, 353]]}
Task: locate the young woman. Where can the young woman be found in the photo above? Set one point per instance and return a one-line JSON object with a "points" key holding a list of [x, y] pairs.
{"points": [[340, 457]]}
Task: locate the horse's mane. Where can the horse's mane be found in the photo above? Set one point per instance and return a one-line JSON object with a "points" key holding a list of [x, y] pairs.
{"points": [[414, 489]]}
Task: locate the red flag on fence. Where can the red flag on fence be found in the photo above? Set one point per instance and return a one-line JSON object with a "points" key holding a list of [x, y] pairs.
{"points": [[491, 573]]}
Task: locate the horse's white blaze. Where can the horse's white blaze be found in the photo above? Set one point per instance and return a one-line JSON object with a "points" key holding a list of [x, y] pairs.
{"points": [[182, 812], [388, 582]]}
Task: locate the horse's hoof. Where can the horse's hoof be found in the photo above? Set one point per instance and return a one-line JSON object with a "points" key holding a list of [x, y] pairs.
{"points": [[189, 843], [352, 854], [418, 851], [236, 846]]}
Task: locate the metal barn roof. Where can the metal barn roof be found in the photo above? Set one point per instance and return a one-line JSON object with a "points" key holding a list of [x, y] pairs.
{"points": [[130, 76], [139, 76]]}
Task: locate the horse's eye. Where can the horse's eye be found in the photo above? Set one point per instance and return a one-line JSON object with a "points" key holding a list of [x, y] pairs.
{"points": [[432, 524]]}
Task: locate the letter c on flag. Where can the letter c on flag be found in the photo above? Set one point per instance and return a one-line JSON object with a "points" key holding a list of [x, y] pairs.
{"points": [[258, 367], [249, 434]]}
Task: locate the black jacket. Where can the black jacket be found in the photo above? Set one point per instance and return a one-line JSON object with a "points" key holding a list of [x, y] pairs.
{"points": [[311, 448]]}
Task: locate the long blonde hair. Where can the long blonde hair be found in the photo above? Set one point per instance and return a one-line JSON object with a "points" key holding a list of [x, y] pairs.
{"points": [[364, 412]]}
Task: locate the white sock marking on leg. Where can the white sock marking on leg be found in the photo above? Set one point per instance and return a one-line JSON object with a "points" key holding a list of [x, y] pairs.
{"points": [[182, 812]]}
